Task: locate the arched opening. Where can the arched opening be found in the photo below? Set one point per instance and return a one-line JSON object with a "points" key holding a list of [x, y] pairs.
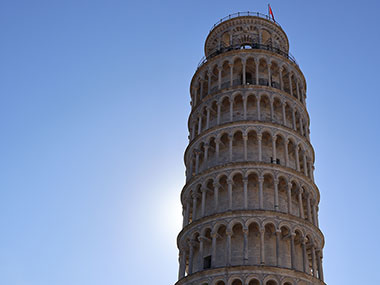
{"points": [[277, 109], [223, 194], [238, 109], [285, 247], [250, 69], [275, 75], [211, 153], [251, 107], [237, 241], [268, 190], [280, 150], [270, 244], [254, 282], [226, 80], [263, 72], [266, 145], [220, 259], [252, 146], [238, 146], [238, 72], [237, 192], [213, 114], [253, 191], [253, 244], [225, 110], [265, 110], [236, 282]]}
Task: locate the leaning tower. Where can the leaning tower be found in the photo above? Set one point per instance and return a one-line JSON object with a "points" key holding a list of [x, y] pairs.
{"points": [[250, 204]]}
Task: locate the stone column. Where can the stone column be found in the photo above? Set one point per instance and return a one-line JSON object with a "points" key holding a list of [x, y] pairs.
{"points": [[308, 208], [262, 246], [297, 158], [217, 142], [244, 75], [208, 118], [261, 194], [276, 204], [271, 110], [292, 249], [258, 108], [313, 261], [298, 90], [230, 137], [319, 261], [199, 125], [259, 138], [245, 183], [219, 105], [197, 153], [278, 236], [294, 118], [200, 257], [231, 74], [281, 82], [274, 152], [257, 71], [201, 89], [304, 256], [216, 195], [301, 126], [289, 197], [191, 256], [187, 214], [304, 164], [205, 157], [213, 249], [229, 183], [245, 140], [231, 110], [245, 254], [269, 75], [228, 249], [283, 113], [220, 77], [195, 197], [290, 84], [245, 108], [182, 262], [203, 203], [209, 82], [314, 213], [302, 216], [287, 153]]}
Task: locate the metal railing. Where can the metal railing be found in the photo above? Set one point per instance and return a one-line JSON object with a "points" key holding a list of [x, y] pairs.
{"points": [[218, 51], [240, 14]]}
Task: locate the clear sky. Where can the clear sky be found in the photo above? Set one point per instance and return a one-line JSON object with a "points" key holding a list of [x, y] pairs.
{"points": [[93, 122]]}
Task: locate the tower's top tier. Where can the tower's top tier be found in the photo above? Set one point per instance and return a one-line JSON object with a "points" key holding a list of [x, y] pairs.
{"points": [[246, 30]]}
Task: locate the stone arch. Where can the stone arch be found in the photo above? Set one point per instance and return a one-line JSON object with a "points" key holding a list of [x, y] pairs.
{"points": [[265, 108]]}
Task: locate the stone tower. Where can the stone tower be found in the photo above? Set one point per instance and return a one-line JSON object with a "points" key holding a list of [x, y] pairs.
{"points": [[250, 204]]}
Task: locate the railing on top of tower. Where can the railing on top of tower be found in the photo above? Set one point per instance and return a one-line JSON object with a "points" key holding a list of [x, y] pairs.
{"points": [[220, 50], [242, 14]]}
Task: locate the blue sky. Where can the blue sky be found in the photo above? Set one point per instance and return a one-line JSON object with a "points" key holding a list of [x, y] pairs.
{"points": [[93, 116]]}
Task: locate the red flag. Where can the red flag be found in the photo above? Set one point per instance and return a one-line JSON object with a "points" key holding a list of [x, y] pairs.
{"points": [[271, 12]]}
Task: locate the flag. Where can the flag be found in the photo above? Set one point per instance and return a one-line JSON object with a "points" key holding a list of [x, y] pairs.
{"points": [[271, 12]]}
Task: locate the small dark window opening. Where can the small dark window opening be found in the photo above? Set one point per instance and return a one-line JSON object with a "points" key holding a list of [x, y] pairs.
{"points": [[207, 262]]}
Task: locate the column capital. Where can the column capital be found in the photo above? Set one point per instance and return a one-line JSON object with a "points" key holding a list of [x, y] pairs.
{"points": [[216, 184]]}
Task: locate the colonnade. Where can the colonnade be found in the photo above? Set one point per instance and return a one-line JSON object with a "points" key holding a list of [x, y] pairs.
{"points": [[253, 191], [245, 69], [250, 244], [242, 107], [251, 144]]}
